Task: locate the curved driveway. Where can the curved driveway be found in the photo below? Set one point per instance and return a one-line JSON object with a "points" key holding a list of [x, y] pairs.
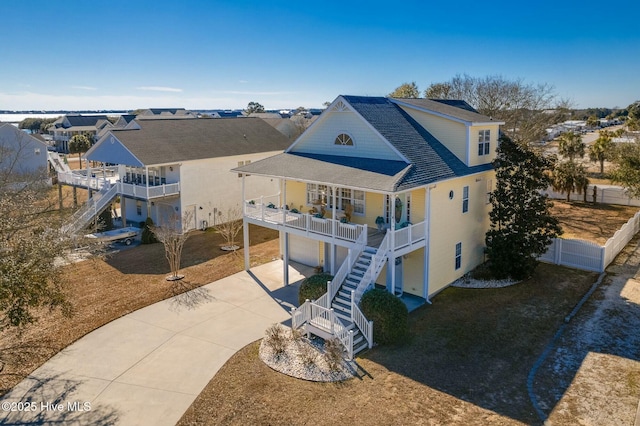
{"points": [[147, 367]]}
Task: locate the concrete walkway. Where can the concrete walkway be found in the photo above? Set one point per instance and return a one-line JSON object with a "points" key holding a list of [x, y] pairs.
{"points": [[147, 367]]}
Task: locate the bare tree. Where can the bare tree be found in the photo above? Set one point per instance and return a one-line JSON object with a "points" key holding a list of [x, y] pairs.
{"points": [[30, 239], [527, 109], [229, 226], [173, 234]]}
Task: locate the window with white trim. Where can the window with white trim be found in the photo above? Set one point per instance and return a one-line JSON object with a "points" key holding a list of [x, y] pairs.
{"points": [[465, 199], [323, 194], [458, 255], [484, 142]]}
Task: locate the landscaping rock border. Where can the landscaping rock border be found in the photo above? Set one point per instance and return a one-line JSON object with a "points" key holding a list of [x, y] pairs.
{"points": [[291, 362]]}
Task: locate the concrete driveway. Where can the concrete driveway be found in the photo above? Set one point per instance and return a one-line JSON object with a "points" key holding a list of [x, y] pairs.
{"points": [[147, 367]]}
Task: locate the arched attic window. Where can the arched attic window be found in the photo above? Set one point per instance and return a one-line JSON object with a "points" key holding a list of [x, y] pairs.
{"points": [[343, 139]]}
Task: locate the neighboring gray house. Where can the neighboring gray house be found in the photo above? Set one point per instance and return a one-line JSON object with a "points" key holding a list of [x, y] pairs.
{"points": [[170, 167], [20, 152]]}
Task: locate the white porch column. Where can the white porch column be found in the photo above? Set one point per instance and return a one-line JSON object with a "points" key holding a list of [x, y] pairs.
{"points": [[146, 173], [333, 230], [392, 229], [285, 258], [245, 243], [427, 230], [245, 231]]}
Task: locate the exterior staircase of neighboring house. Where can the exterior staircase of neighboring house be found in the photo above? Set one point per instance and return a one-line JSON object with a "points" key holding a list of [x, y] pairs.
{"points": [[92, 208], [336, 313], [57, 163]]}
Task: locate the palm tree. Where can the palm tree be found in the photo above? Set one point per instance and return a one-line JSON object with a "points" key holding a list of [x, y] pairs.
{"points": [[568, 177], [571, 145], [79, 144], [602, 149]]}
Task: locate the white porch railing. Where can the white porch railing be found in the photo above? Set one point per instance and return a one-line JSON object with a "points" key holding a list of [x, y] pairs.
{"points": [[410, 235], [266, 210], [147, 192]]}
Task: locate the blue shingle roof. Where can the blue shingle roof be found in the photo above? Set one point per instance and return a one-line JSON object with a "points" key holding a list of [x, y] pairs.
{"points": [[431, 161]]}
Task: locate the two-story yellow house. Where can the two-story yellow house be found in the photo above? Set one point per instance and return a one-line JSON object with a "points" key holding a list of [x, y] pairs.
{"points": [[380, 190]]}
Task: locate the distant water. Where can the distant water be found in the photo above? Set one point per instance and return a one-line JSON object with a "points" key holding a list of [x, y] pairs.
{"points": [[16, 118]]}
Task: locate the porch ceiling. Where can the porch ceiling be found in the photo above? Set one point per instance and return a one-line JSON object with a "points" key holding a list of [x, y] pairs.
{"points": [[364, 173]]}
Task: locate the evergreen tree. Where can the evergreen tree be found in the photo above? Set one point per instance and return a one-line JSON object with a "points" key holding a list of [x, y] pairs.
{"points": [[521, 222]]}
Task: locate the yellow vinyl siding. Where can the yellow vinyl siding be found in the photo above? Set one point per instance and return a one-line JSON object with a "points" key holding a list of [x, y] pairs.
{"points": [[474, 158], [414, 273], [297, 196], [449, 225]]}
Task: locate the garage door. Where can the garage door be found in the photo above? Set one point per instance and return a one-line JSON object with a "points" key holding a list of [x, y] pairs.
{"points": [[303, 250]]}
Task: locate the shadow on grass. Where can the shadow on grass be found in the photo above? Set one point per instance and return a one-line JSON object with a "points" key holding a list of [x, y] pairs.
{"points": [[478, 345], [52, 400]]}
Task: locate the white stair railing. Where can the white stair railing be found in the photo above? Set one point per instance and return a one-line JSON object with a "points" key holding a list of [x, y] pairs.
{"points": [[374, 269], [365, 326], [92, 208]]}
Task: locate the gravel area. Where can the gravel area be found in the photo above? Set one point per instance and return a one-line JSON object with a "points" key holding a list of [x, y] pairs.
{"points": [[468, 282], [304, 359]]}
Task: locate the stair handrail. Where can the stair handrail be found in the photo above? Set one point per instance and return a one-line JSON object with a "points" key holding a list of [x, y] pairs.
{"points": [[92, 207], [334, 285], [374, 269], [364, 325], [301, 314]]}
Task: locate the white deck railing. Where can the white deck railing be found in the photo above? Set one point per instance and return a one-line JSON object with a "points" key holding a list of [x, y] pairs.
{"points": [[410, 235], [80, 178], [148, 192], [266, 210]]}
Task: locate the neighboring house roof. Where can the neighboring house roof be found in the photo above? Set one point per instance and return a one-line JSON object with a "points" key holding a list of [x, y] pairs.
{"points": [[452, 108], [171, 141], [72, 120], [428, 159]]}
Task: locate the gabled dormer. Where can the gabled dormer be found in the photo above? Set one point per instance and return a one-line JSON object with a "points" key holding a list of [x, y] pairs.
{"points": [[342, 131], [469, 135]]}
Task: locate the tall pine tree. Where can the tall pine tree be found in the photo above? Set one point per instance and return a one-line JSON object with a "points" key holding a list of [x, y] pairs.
{"points": [[521, 222]]}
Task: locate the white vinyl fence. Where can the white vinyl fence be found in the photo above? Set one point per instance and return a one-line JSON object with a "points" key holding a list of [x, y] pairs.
{"points": [[604, 194], [589, 256]]}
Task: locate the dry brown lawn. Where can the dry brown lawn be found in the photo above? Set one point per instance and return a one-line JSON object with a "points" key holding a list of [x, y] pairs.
{"points": [[592, 222], [467, 363], [103, 290]]}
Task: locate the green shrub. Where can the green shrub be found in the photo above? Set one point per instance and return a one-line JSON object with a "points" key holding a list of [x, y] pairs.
{"points": [[148, 237], [389, 315], [313, 287]]}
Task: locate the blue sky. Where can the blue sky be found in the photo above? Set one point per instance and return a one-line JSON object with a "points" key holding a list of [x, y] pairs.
{"points": [[126, 54]]}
